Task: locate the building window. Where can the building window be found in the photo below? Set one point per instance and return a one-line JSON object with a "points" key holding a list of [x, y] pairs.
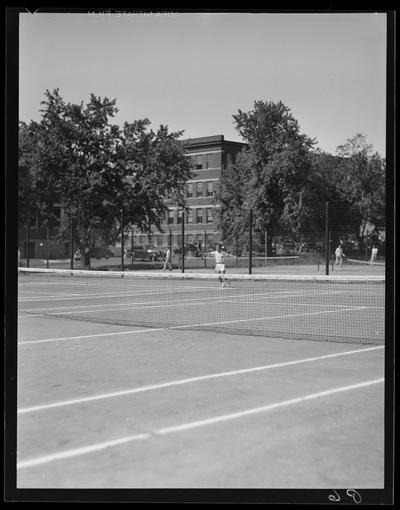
{"points": [[189, 217], [189, 190], [170, 217], [199, 189], [210, 189], [230, 158], [209, 215], [199, 215], [199, 162], [208, 161], [179, 218]]}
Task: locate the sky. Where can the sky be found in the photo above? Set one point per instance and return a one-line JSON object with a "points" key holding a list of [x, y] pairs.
{"points": [[194, 71]]}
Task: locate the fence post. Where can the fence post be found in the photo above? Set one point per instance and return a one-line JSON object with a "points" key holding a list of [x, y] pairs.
{"points": [[250, 241], [170, 248], [265, 246], [47, 247], [205, 248], [237, 250], [27, 243], [72, 242], [327, 247], [122, 240], [183, 241], [132, 247]]}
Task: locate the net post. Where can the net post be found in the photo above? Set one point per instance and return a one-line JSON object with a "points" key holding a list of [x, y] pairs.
{"points": [[183, 241], [327, 247], [250, 241]]}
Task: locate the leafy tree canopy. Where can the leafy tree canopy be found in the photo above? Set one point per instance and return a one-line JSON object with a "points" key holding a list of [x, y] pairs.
{"points": [[95, 169]]}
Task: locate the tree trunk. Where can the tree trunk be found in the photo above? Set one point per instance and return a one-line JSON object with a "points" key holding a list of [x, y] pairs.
{"points": [[269, 233]]}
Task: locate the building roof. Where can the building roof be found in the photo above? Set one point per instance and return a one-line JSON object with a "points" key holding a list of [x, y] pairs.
{"points": [[210, 141]]}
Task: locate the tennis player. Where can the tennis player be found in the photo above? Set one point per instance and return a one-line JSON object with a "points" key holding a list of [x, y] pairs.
{"points": [[220, 265], [167, 261], [339, 256]]}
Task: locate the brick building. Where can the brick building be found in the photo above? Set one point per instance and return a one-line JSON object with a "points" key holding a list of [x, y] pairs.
{"points": [[209, 155]]}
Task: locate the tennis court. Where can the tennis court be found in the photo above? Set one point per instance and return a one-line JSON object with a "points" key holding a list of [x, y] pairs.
{"points": [[150, 381]]}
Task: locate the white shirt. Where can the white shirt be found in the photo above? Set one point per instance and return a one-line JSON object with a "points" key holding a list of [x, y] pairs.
{"points": [[219, 257], [338, 252]]}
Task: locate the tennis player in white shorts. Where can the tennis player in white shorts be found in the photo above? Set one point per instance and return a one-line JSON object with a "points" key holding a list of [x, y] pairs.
{"points": [[220, 265]]}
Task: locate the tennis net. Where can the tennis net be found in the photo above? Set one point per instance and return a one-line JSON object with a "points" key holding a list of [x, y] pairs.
{"points": [[324, 308]]}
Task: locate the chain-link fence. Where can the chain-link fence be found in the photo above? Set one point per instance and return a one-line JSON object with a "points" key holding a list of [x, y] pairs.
{"points": [[71, 245]]}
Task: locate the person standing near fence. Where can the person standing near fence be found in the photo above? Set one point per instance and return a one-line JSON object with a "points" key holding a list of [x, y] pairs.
{"points": [[374, 255], [168, 260], [339, 256]]}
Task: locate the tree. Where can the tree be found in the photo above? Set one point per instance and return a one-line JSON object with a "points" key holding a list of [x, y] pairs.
{"points": [[151, 166], [73, 144], [97, 170], [277, 166], [27, 202], [361, 181]]}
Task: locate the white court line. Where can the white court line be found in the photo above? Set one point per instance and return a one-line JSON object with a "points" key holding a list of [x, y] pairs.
{"points": [[270, 318], [58, 339], [178, 382], [60, 297], [45, 459], [188, 326], [156, 304], [172, 291], [78, 310]]}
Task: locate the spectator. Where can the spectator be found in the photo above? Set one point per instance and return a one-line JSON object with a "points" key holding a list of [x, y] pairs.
{"points": [[374, 254]]}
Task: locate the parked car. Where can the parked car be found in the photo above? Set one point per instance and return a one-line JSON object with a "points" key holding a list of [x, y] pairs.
{"points": [[155, 253], [190, 251], [100, 252], [285, 249], [139, 253]]}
